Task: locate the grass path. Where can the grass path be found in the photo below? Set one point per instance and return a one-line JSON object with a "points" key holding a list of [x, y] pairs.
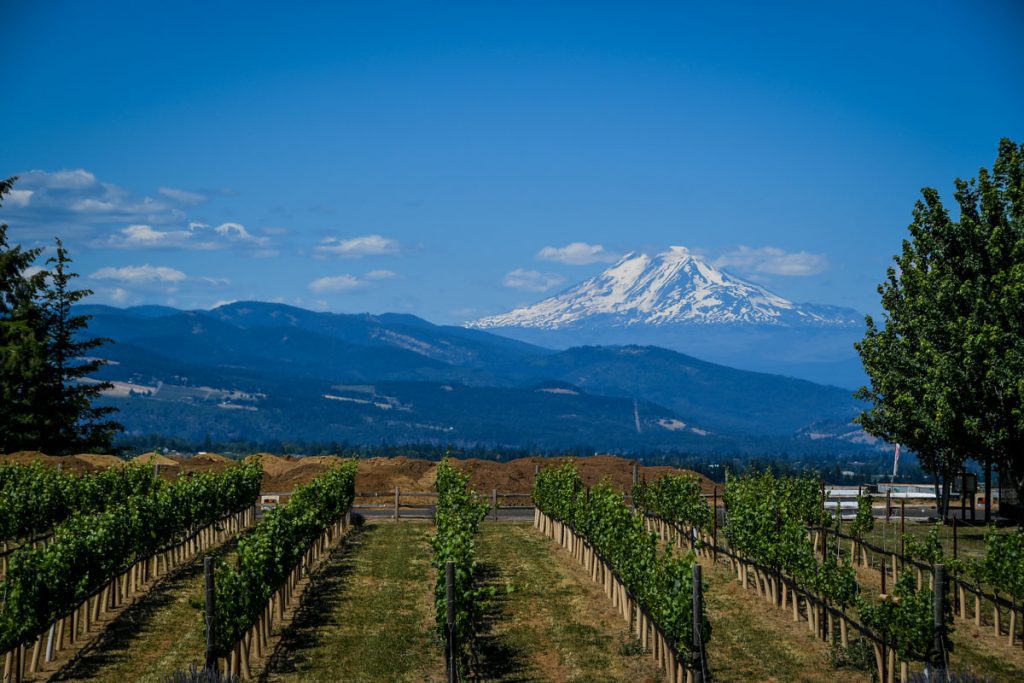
{"points": [[555, 624], [752, 640], [975, 649], [159, 634], [367, 615]]}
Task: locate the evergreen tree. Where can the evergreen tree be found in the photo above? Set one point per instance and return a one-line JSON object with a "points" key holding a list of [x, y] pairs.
{"points": [[72, 423], [22, 351], [45, 390]]}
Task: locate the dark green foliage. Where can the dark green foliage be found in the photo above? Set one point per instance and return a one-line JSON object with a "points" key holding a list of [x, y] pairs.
{"points": [[768, 519], [1002, 568], [946, 367], [268, 554], [676, 498], [905, 617], [926, 549], [43, 584], [34, 498], [44, 363], [864, 522], [71, 423], [661, 581], [458, 516]]}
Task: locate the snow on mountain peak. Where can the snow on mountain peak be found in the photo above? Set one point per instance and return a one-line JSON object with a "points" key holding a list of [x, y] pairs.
{"points": [[673, 287]]}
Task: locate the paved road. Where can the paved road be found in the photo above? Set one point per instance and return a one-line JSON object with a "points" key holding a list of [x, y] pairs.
{"points": [[504, 514], [915, 513]]}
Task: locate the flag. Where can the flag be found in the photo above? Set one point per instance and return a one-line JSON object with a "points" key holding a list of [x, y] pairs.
{"points": [[896, 462]]}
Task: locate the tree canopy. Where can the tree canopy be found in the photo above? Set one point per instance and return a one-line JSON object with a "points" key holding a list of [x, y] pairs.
{"points": [[45, 387], [947, 367]]}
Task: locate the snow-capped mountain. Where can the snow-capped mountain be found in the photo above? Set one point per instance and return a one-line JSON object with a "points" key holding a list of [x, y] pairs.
{"points": [[670, 289]]}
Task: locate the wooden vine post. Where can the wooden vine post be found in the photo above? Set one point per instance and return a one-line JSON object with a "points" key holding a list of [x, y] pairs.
{"points": [[211, 619], [714, 524], [449, 655], [937, 657], [903, 529], [632, 500], [698, 637]]}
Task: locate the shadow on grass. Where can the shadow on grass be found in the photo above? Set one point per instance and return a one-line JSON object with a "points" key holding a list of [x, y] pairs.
{"points": [[498, 659], [318, 602], [120, 636]]}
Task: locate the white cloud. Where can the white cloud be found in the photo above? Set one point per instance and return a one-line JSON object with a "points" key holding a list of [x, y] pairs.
{"points": [[213, 281], [236, 232], [140, 274], [182, 196], [147, 236], [119, 295], [62, 180], [19, 198], [358, 247], [381, 275], [197, 236], [772, 261], [577, 254], [83, 208], [222, 302], [336, 283], [532, 280]]}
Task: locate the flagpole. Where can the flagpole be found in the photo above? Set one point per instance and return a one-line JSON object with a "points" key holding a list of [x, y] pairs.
{"points": [[892, 482]]}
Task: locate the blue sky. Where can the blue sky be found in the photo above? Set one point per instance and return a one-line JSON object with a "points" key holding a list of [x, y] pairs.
{"points": [[455, 160]]}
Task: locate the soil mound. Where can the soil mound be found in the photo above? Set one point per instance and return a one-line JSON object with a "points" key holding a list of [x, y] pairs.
{"points": [[211, 457], [154, 458], [384, 474], [274, 466], [377, 475], [98, 462]]}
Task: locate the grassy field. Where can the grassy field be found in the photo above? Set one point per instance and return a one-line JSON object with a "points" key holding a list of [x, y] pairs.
{"points": [[549, 621], [753, 641], [159, 634], [368, 614]]}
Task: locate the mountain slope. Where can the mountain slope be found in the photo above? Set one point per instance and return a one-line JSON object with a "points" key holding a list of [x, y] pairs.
{"points": [[673, 288], [269, 371], [720, 399], [677, 301]]}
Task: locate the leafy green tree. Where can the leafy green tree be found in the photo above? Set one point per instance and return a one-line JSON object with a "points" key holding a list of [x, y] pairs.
{"points": [[946, 367], [992, 213]]}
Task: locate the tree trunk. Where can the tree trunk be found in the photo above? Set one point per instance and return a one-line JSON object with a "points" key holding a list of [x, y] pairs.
{"points": [[944, 501], [988, 492]]}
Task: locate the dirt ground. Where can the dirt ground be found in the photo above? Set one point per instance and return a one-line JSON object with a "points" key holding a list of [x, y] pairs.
{"points": [[376, 475]]}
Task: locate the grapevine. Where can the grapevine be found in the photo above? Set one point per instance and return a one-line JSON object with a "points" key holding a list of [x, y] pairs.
{"points": [[659, 580], [458, 517], [675, 498], [269, 553], [88, 550], [34, 498]]}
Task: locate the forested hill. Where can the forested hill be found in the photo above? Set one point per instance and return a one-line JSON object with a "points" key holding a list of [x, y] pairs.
{"points": [[269, 371]]}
